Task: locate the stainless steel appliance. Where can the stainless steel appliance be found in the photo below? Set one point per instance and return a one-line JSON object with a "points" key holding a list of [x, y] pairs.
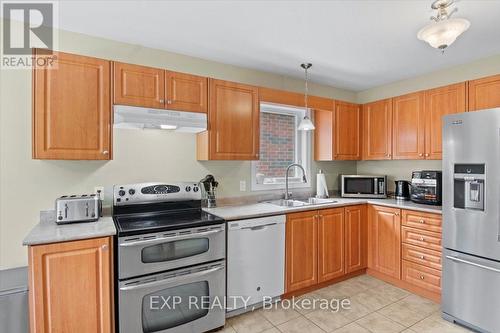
{"points": [[471, 219], [363, 186], [426, 187], [171, 259], [402, 190], [78, 208], [256, 261]]}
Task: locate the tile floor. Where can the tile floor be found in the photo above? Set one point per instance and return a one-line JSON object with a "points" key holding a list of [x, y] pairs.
{"points": [[375, 307]]}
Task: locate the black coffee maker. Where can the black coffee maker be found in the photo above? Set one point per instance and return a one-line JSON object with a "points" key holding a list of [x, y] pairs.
{"points": [[402, 190]]}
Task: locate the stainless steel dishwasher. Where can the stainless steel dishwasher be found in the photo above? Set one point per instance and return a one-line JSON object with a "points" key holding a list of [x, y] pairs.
{"points": [[255, 262], [14, 300]]}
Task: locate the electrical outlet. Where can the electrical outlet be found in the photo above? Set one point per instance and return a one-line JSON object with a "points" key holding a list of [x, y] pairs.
{"points": [[99, 189], [243, 185]]}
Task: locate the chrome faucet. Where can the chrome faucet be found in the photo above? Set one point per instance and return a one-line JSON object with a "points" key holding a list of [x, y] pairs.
{"points": [[287, 195]]}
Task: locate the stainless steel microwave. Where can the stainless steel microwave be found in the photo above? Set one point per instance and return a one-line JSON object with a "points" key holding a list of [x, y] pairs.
{"points": [[363, 186]]}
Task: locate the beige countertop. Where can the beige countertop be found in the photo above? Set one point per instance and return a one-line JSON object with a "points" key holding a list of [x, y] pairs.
{"points": [[239, 212], [48, 231]]}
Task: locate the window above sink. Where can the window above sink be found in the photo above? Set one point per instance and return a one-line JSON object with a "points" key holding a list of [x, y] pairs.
{"points": [[281, 144]]}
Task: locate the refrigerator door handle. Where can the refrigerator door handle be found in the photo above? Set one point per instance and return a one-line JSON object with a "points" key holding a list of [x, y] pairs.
{"points": [[473, 264]]}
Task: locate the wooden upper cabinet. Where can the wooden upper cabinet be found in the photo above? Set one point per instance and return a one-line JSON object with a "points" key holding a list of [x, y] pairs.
{"points": [[139, 85], [377, 130], [484, 93], [438, 103], [408, 140], [71, 286], [185, 92], [356, 238], [72, 109], [233, 123], [301, 251], [347, 122], [384, 240], [330, 244], [323, 135]]}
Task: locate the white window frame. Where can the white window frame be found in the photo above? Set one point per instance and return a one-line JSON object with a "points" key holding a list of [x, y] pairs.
{"points": [[303, 152]]}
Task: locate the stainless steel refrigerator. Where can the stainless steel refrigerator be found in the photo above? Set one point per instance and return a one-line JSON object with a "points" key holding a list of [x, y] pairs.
{"points": [[471, 219]]}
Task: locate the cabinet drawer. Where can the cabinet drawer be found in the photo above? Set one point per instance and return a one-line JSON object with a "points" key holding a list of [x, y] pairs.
{"points": [[426, 239], [422, 256], [426, 221], [421, 276]]}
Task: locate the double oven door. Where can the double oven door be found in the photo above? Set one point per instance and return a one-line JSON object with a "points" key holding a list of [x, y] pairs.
{"points": [[180, 301], [151, 253]]}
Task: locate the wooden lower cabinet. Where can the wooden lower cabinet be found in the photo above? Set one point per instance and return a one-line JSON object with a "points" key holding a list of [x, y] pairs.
{"points": [[384, 240], [301, 250], [324, 246], [421, 276], [356, 238], [330, 244], [70, 287]]}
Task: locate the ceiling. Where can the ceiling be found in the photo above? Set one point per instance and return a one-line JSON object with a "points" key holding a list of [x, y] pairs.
{"points": [[353, 44]]}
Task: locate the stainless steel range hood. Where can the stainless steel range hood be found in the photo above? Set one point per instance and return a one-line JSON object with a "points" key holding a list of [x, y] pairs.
{"points": [[146, 118]]}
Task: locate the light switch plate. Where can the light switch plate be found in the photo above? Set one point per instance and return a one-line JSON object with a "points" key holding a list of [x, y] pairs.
{"points": [[243, 185]]}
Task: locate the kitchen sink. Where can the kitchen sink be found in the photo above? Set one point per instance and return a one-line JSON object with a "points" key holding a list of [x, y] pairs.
{"points": [[289, 203], [318, 201], [301, 202]]}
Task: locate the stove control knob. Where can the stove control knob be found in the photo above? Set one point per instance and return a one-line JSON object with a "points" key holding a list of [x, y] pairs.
{"points": [[121, 193], [188, 188], [131, 191], [195, 189]]}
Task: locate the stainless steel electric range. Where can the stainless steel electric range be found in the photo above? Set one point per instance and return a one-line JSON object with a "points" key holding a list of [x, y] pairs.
{"points": [[170, 259]]}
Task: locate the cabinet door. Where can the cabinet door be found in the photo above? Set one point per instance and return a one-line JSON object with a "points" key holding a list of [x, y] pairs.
{"points": [[377, 130], [356, 238], [301, 250], [438, 103], [71, 286], [408, 140], [323, 135], [484, 93], [186, 92], [72, 109], [330, 244], [347, 131], [233, 120], [139, 85], [384, 240]]}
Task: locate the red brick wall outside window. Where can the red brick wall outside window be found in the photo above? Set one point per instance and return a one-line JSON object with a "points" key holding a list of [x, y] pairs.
{"points": [[277, 144]]}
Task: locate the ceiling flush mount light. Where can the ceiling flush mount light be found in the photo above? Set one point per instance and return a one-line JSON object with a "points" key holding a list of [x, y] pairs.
{"points": [[444, 30], [306, 124]]}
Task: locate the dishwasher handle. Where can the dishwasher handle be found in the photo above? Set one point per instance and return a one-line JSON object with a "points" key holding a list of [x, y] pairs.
{"points": [[259, 227]]}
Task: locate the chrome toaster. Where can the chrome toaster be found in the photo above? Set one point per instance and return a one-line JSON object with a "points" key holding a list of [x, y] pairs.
{"points": [[78, 208]]}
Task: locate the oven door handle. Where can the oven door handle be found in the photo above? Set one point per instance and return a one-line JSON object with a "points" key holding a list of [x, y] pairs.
{"points": [[173, 238], [473, 264], [172, 279]]}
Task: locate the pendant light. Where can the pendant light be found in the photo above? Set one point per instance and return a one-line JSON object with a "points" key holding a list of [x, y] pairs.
{"points": [[306, 124], [444, 30]]}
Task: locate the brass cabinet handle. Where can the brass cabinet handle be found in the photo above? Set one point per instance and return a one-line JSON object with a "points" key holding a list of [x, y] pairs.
{"points": [[421, 221], [162, 101], [422, 277], [422, 257], [105, 152], [422, 239], [169, 101]]}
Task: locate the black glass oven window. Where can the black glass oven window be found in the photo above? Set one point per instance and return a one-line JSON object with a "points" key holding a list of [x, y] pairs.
{"points": [[174, 250], [171, 307], [359, 186]]}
